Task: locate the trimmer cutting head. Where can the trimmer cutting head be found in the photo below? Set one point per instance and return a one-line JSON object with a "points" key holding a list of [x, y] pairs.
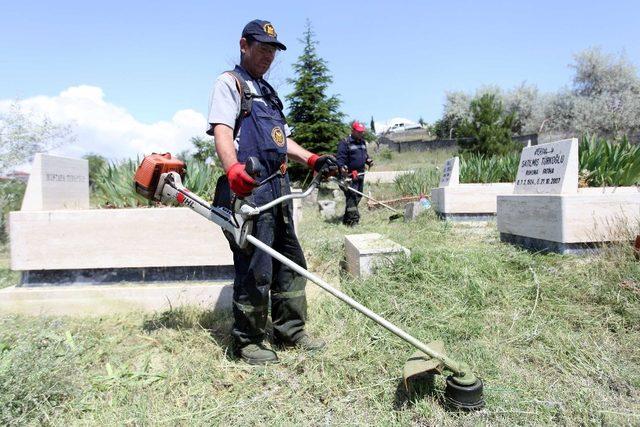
{"points": [[460, 397], [419, 372]]}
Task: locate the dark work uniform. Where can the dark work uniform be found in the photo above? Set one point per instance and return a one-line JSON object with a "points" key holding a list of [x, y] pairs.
{"points": [[352, 153], [257, 274]]}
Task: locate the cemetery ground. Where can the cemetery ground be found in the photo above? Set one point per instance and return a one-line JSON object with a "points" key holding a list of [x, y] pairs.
{"points": [[555, 339]]}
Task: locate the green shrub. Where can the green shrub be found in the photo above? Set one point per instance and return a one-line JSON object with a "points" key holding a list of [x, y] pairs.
{"points": [[419, 182], [489, 128], [605, 163], [386, 153], [485, 169], [11, 194]]}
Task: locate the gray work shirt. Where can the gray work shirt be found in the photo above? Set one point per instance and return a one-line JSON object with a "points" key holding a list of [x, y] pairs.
{"points": [[224, 102]]}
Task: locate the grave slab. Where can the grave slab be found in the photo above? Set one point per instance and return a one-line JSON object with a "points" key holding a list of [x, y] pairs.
{"points": [[573, 220], [115, 238], [364, 252], [469, 201], [297, 209]]}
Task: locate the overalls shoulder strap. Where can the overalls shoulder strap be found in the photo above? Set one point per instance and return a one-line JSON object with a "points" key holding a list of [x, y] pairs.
{"points": [[273, 95], [246, 99]]}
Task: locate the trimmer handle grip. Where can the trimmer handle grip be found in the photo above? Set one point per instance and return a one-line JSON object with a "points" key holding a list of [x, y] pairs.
{"points": [[253, 167]]}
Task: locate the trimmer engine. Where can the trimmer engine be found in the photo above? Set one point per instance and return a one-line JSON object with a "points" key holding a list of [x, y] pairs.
{"points": [[152, 166]]}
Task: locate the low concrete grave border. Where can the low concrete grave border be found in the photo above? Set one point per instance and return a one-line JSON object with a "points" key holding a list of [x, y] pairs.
{"points": [[469, 202], [99, 276], [106, 300], [456, 217], [132, 241], [569, 223], [547, 246]]}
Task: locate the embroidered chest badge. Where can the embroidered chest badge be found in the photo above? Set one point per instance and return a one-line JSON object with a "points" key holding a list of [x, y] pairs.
{"points": [[278, 136]]}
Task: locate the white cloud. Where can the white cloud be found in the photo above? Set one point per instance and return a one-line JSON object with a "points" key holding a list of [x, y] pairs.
{"points": [[109, 130]]}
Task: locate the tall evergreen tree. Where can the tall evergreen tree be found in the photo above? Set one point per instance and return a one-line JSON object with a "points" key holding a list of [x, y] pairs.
{"points": [[314, 116], [489, 127]]}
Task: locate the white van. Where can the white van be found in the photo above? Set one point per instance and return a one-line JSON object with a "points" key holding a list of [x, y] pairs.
{"points": [[401, 127]]}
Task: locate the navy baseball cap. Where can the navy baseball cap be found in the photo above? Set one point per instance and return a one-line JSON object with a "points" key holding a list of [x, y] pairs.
{"points": [[262, 31]]}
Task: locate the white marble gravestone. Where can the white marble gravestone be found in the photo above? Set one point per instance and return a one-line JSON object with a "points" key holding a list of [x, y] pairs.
{"points": [[547, 211], [450, 172], [57, 183], [548, 168]]}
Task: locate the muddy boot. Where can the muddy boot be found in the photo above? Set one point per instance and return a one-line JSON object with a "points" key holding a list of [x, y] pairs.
{"points": [[257, 354]]}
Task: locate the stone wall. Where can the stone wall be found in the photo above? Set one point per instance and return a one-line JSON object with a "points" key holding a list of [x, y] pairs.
{"points": [[404, 145]]}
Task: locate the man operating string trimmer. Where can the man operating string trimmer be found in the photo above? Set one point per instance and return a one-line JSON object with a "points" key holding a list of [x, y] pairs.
{"points": [[258, 223], [352, 157], [246, 120]]}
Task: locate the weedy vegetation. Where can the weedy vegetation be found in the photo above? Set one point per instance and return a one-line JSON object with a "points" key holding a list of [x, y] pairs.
{"points": [[486, 169], [112, 185], [605, 163]]}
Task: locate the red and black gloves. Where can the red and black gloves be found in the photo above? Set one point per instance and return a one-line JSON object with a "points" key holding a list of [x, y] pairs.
{"points": [[354, 175], [327, 165], [240, 181]]}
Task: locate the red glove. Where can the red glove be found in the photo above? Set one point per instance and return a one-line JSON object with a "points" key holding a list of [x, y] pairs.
{"points": [[325, 163], [240, 181], [354, 175]]}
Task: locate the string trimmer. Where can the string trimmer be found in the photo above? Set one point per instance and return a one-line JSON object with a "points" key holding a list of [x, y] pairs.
{"points": [[159, 178], [344, 185]]}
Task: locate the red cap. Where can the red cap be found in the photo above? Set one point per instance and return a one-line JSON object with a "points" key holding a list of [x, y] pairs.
{"points": [[358, 127]]}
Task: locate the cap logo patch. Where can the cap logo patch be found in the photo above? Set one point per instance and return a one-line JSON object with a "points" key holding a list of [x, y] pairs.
{"points": [[268, 28], [278, 136]]}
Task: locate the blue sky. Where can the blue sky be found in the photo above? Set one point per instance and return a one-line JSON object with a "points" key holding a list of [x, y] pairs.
{"points": [[388, 59]]}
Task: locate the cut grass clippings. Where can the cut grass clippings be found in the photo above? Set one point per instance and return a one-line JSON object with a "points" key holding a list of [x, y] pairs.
{"points": [[554, 338]]}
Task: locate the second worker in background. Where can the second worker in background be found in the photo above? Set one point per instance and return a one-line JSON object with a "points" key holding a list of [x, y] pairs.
{"points": [[352, 157]]}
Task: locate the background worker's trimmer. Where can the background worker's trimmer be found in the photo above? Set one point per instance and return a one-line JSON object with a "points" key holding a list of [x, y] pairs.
{"points": [[159, 178], [344, 185]]}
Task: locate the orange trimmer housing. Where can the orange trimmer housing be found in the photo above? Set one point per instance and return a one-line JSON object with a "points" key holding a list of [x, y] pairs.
{"points": [[149, 171]]}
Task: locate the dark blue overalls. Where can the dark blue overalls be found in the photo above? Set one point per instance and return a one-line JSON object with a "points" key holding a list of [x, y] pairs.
{"points": [[257, 274], [352, 153]]}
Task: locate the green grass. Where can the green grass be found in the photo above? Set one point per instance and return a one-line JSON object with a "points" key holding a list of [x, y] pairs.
{"points": [[555, 339], [7, 277]]}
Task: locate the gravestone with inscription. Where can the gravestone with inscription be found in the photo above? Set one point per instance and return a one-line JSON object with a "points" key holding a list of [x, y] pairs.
{"points": [[548, 212], [57, 183], [450, 172], [465, 202], [548, 169]]}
